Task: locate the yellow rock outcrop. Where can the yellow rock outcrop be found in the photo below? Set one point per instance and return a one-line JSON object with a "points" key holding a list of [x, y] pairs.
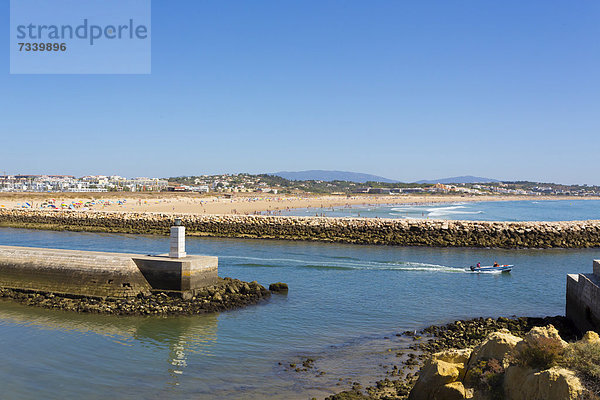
{"points": [[454, 356], [591, 337], [498, 345], [552, 384], [450, 391], [443, 377], [538, 332], [433, 375]]}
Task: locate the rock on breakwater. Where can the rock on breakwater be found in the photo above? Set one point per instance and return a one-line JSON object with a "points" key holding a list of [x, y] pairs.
{"points": [[228, 294], [566, 234]]}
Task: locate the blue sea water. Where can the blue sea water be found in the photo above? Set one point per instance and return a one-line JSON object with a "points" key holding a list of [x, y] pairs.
{"points": [[343, 301], [527, 210]]}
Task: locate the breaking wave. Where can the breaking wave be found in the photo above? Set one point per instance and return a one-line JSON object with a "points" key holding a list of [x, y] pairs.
{"points": [[434, 211]]}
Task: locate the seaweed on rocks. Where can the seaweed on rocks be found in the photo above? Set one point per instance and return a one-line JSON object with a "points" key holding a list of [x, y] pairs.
{"points": [[278, 287], [455, 335], [462, 334], [228, 294]]}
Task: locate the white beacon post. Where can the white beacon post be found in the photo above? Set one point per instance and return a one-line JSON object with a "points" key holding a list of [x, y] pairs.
{"points": [[177, 249]]}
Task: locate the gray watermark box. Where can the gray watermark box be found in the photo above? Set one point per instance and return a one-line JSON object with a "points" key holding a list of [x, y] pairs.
{"points": [[80, 37]]}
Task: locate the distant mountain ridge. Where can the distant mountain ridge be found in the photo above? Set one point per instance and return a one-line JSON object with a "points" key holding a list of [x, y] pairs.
{"points": [[461, 179], [358, 177], [323, 175]]}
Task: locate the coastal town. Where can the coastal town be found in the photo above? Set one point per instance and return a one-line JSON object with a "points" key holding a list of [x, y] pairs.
{"points": [[266, 183], [69, 183]]}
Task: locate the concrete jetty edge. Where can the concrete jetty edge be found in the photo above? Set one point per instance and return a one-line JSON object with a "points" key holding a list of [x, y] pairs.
{"points": [[120, 283], [95, 273]]}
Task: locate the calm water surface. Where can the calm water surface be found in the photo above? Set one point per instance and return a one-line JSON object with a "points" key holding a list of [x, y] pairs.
{"points": [[343, 300]]}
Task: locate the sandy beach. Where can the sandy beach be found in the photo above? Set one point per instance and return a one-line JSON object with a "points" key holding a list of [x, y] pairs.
{"points": [[245, 204]]}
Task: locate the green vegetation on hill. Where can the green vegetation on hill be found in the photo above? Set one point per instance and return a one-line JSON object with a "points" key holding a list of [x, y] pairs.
{"points": [[266, 182], [261, 181]]}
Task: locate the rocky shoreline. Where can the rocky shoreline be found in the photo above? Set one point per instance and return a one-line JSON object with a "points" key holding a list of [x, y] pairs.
{"points": [[228, 294], [401, 377], [439, 233]]}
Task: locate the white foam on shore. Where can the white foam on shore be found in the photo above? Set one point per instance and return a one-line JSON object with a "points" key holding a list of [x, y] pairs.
{"points": [[434, 211]]}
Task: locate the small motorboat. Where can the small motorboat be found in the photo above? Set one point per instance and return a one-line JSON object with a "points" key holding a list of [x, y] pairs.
{"points": [[491, 268]]}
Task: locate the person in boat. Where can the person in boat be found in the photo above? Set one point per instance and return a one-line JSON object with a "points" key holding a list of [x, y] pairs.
{"points": [[474, 268], [496, 264]]}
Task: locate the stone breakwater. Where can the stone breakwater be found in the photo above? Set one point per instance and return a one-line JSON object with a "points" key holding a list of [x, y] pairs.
{"points": [[567, 234]]}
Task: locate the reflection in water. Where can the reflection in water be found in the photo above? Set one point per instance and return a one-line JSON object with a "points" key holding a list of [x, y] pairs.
{"points": [[339, 294], [180, 335]]}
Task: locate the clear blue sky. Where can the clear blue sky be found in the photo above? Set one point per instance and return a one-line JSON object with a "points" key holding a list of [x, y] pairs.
{"points": [[407, 90]]}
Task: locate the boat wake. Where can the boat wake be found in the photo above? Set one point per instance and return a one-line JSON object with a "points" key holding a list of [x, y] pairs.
{"points": [[341, 265]]}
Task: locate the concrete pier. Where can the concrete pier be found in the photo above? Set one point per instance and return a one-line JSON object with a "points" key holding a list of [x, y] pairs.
{"points": [[583, 299], [91, 273]]}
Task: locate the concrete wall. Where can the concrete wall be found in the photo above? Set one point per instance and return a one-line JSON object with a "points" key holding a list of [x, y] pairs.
{"points": [[583, 299], [181, 274], [73, 272], [573, 234], [89, 273]]}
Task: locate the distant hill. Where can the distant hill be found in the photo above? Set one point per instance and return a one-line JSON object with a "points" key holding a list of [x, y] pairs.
{"points": [[321, 175], [461, 179]]}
